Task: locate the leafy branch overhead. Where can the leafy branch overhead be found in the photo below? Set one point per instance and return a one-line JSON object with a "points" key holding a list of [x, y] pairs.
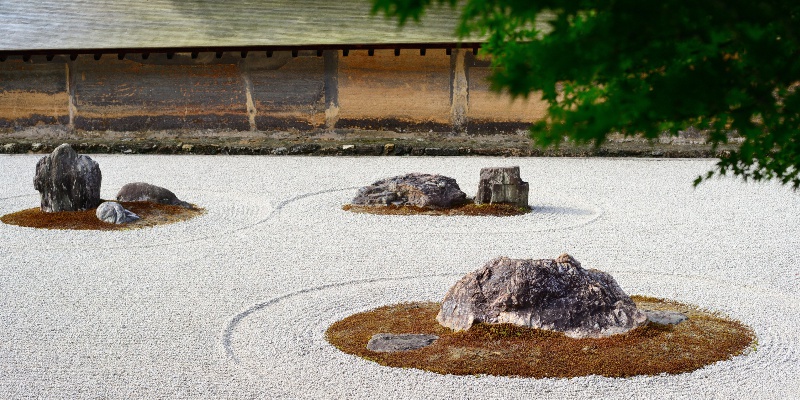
{"points": [[643, 67]]}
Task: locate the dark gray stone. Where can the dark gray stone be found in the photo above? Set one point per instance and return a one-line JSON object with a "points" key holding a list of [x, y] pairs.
{"points": [[67, 181], [9, 148], [557, 295], [665, 317], [113, 213], [140, 191], [388, 342], [502, 185], [303, 148], [421, 190]]}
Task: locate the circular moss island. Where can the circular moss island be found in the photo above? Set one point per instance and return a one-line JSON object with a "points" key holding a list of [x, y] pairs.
{"points": [[467, 208], [510, 350], [150, 214]]}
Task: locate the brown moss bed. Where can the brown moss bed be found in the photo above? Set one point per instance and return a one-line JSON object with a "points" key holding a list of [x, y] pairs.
{"points": [[151, 214], [469, 208], [509, 350]]}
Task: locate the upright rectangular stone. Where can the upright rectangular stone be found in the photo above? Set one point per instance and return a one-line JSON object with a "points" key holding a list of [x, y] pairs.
{"points": [[502, 185]]}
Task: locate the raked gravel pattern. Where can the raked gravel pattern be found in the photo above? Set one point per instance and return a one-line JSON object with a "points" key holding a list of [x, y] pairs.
{"points": [[235, 303]]}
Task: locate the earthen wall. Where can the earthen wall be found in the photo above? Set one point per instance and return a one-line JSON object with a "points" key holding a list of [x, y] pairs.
{"points": [[383, 89]]}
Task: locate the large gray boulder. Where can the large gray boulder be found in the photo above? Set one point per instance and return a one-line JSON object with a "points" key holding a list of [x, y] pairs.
{"points": [[113, 213], [67, 181], [502, 185], [415, 189], [557, 295], [141, 191]]}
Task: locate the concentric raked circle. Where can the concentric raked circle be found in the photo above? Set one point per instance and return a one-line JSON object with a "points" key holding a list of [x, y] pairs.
{"points": [[551, 211], [283, 339], [225, 213]]}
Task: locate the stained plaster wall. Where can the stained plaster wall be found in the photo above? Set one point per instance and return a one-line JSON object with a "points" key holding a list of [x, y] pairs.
{"points": [[301, 91]]}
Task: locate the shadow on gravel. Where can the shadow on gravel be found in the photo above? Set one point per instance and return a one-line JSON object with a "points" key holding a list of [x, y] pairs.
{"points": [[561, 211]]}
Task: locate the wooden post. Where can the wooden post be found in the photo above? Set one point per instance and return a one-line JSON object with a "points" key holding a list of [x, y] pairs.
{"points": [[459, 89]]}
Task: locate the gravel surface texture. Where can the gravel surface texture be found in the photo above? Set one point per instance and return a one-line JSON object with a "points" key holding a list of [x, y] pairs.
{"points": [[235, 303]]}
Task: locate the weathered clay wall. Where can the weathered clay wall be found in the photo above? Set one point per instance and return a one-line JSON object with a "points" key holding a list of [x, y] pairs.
{"points": [[385, 91], [490, 111], [127, 95], [33, 94], [282, 90], [287, 92]]}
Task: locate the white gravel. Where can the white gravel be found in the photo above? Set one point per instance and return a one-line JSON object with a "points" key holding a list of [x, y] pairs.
{"points": [[234, 304]]}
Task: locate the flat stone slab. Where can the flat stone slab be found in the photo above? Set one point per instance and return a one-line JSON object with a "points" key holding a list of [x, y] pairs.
{"points": [[665, 317], [389, 342]]}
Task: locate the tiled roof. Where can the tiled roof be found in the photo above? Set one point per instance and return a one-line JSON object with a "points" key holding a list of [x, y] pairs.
{"points": [[115, 24]]}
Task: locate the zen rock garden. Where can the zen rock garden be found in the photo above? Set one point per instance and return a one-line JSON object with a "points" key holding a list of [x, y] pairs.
{"points": [[70, 183], [510, 317], [548, 310], [501, 192]]}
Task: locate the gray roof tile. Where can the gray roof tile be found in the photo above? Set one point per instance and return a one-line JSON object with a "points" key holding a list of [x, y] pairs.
{"points": [[113, 24]]}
